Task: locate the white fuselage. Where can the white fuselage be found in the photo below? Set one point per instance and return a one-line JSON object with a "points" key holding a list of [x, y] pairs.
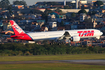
{"points": [[51, 35]]}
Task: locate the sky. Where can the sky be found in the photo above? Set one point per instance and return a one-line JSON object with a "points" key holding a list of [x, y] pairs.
{"points": [[32, 2]]}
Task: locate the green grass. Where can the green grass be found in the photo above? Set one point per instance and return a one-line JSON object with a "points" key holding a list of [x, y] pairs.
{"points": [[50, 66], [52, 57]]}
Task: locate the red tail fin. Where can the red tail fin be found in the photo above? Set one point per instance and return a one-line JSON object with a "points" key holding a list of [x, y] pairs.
{"points": [[16, 28]]}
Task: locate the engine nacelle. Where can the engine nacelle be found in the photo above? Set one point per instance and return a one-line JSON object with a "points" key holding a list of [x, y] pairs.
{"points": [[75, 38], [98, 37]]}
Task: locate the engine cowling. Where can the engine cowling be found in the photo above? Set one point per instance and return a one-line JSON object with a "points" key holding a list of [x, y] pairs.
{"points": [[75, 38], [98, 37]]}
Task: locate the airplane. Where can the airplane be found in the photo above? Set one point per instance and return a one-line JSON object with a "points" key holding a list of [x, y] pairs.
{"points": [[72, 35]]}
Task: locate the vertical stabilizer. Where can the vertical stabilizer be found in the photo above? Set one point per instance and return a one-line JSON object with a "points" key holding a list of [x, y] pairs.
{"points": [[16, 28]]}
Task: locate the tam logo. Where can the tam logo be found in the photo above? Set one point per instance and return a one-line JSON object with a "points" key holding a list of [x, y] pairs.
{"points": [[86, 33], [17, 27]]}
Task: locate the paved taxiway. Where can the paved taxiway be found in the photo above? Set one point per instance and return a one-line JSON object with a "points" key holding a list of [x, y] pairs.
{"points": [[90, 62]]}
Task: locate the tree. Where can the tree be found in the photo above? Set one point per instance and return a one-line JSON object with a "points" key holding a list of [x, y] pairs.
{"points": [[19, 2], [45, 14], [98, 3], [73, 15], [82, 11], [23, 3], [47, 11], [10, 9], [58, 10], [34, 11], [62, 23], [5, 3], [16, 2], [92, 13], [0, 5]]}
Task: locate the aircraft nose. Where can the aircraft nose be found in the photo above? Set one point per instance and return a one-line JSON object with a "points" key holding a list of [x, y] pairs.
{"points": [[101, 33]]}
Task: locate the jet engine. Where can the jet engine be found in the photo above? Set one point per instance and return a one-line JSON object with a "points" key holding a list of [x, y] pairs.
{"points": [[75, 38]]}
